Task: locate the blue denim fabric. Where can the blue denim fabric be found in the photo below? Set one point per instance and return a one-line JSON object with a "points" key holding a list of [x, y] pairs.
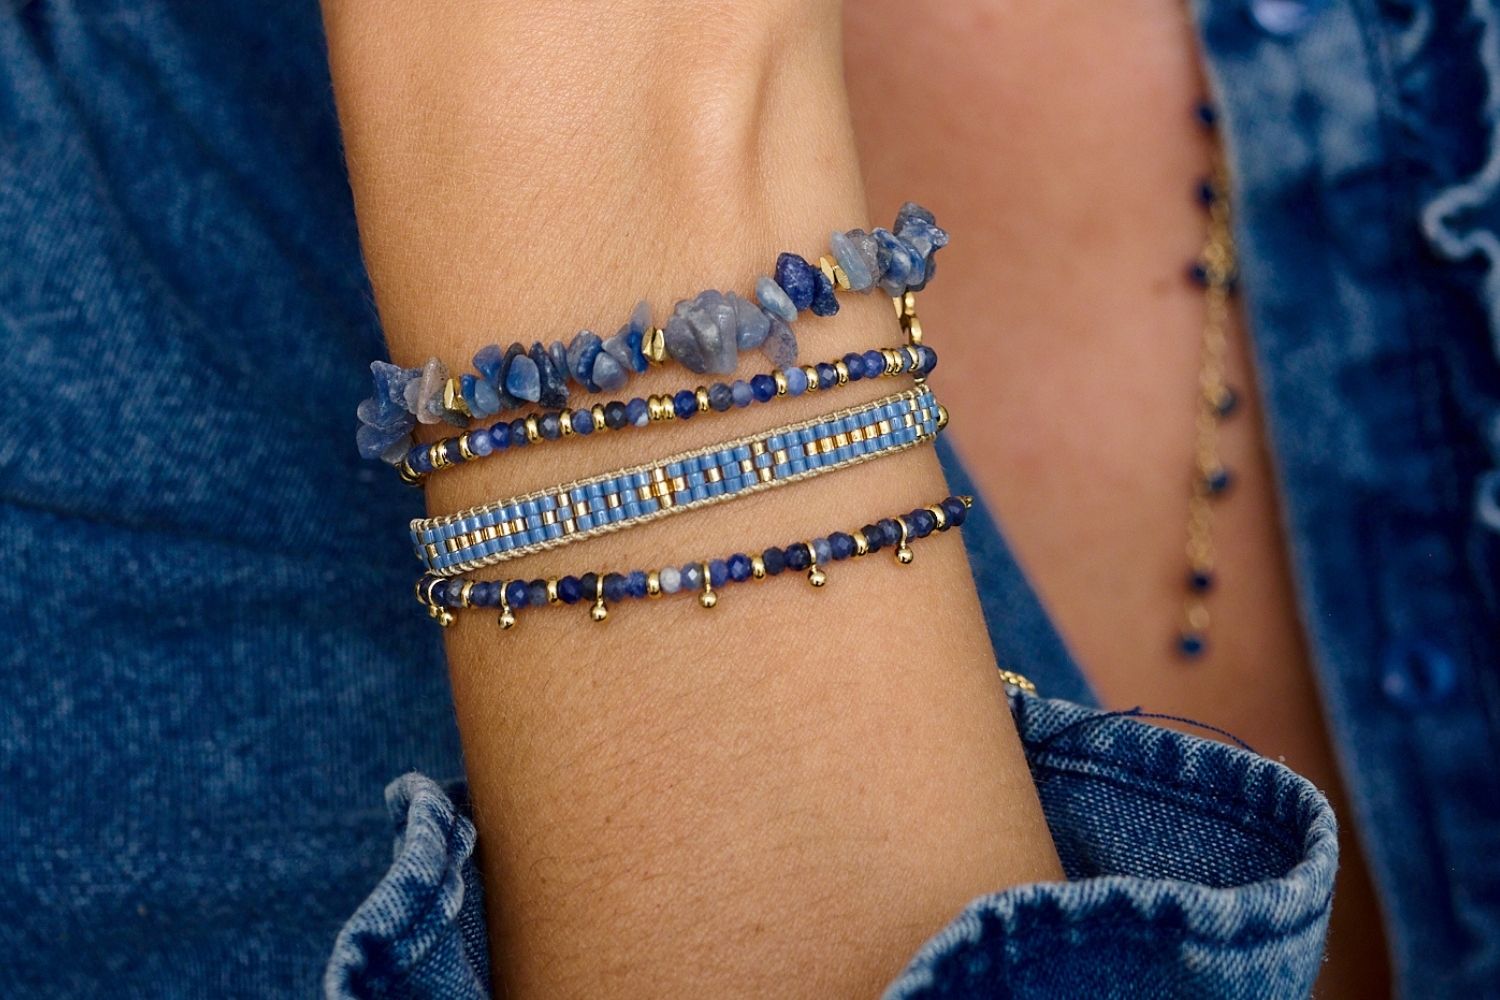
{"points": [[196, 718]]}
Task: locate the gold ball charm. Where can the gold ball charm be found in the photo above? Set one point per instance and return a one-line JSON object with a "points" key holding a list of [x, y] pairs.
{"points": [[507, 619], [816, 577], [904, 555], [708, 598], [599, 612], [445, 617]]}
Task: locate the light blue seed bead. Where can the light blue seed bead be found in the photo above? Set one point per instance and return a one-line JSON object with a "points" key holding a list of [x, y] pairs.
{"points": [[671, 580], [774, 301], [796, 380], [740, 392]]}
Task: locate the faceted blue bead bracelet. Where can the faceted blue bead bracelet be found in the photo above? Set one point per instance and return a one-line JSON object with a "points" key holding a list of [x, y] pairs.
{"points": [[442, 595], [505, 529], [793, 380], [705, 334]]}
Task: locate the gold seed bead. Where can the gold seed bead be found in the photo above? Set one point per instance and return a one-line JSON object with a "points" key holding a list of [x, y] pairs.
{"points": [[812, 377], [942, 416], [757, 567], [597, 412], [533, 432], [861, 544], [703, 404], [843, 371], [654, 345], [913, 328], [408, 475], [653, 584], [421, 598], [781, 386], [966, 500], [463, 448], [464, 592], [1016, 680], [439, 456], [942, 518], [453, 398], [552, 595], [565, 419]]}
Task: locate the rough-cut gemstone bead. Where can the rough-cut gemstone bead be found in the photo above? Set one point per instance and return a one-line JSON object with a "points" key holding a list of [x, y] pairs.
{"points": [[614, 415], [500, 435], [866, 246], [552, 382], [919, 229], [466, 383], [550, 426], [618, 347], [719, 397], [609, 374], [825, 302], [635, 583], [896, 261], [751, 322], [522, 380], [582, 421], [718, 573], [740, 392], [685, 403], [797, 278], [670, 580], [638, 412], [701, 334], [774, 560], [682, 344], [516, 593], [692, 577], [480, 443], [798, 556], [558, 352], [424, 396], [739, 567], [856, 269], [773, 300], [569, 590], [390, 383], [796, 380], [488, 361], [395, 452], [507, 400], [486, 399], [582, 351], [518, 435], [374, 442], [841, 545], [763, 387], [780, 346], [822, 550], [615, 588]]}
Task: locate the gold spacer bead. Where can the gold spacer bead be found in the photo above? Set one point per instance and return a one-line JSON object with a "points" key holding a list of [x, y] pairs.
{"points": [[843, 371], [599, 612], [653, 409], [453, 398], [565, 419], [966, 500], [833, 272], [464, 592], [812, 377], [597, 412], [653, 584], [913, 328], [942, 518], [897, 301], [703, 404], [439, 456], [861, 544], [840, 276], [780, 379], [533, 432], [552, 596], [654, 345], [463, 448], [408, 475], [942, 416], [903, 550], [757, 567], [708, 598]]}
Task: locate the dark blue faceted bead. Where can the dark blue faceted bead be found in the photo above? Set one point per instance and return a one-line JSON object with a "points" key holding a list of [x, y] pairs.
{"points": [[569, 590], [774, 560], [1191, 644], [739, 567], [856, 365], [421, 460], [500, 435], [518, 438], [798, 556], [536, 593], [763, 386], [890, 531], [872, 534], [614, 415], [874, 364], [589, 582], [842, 545], [1200, 581], [718, 572], [959, 514], [452, 593], [635, 583], [953, 507], [482, 594], [825, 302], [582, 421], [516, 593], [929, 359], [615, 588], [550, 425], [636, 411], [827, 374], [923, 523], [452, 451], [720, 397], [1218, 481], [685, 403], [797, 278]]}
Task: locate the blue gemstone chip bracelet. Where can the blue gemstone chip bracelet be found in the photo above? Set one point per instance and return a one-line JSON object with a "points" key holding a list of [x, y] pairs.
{"points": [[443, 595], [422, 460], [704, 334], [505, 529]]}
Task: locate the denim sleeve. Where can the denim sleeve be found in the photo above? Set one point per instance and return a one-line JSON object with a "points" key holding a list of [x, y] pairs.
{"points": [[1194, 869]]}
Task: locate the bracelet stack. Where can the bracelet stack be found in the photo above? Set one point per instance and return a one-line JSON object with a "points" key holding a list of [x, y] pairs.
{"points": [[705, 334]]}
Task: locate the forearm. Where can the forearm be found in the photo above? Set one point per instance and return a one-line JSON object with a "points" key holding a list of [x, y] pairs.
{"points": [[794, 785]]}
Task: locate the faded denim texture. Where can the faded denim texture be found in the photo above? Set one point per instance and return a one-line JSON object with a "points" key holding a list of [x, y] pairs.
{"points": [[192, 748]]}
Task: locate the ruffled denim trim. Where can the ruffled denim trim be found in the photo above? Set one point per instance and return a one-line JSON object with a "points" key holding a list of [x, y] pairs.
{"points": [[1195, 869]]}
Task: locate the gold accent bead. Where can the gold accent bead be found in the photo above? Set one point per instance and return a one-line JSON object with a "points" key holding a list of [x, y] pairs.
{"points": [[464, 592], [781, 387], [825, 264], [533, 432], [597, 412], [757, 567], [653, 408], [703, 404], [913, 328], [599, 612], [453, 398], [439, 456], [903, 550], [1017, 680], [942, 416], [445, 617], [812, 377], [653, 584], [507, 618], [654, 345], [940, 515], [565, 419], [843, 371], [861, 544], [966, 500], [463, 448], [708, 598], [552, 595], [408, 475], [815, 574]]}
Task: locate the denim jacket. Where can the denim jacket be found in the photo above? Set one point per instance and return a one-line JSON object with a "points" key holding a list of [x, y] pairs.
{"points": [[197, 714]]}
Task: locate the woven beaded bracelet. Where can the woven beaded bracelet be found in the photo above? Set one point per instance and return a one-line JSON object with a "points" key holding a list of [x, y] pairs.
{"points": [[441, 595], [793, 380], [704, 333], [505, 529]]}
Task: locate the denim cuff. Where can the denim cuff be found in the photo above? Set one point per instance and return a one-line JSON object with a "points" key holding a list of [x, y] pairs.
{"points": [[1193, 868]]}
